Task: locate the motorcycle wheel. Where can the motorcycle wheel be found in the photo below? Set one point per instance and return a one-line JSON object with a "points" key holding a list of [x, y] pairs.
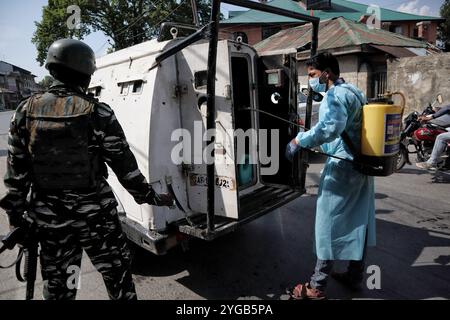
{"points": [[423, 157], [401, 160]]}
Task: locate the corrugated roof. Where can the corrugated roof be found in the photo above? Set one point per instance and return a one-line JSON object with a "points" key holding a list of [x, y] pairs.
{"points": [[398, 52], [333, 34], [340, 8], [232, 14]]}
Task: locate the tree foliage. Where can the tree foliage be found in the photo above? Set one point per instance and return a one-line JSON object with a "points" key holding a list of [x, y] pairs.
{"points": [[53, 26], [126, 22], [444, 29], [46, 82]]}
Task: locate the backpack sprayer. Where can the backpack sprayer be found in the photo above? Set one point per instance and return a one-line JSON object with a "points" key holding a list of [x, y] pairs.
{"points": [[380, 144]]}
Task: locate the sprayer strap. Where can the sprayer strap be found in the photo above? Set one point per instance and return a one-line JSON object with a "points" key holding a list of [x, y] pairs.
{"points": [[346, 138], [349, 88]]}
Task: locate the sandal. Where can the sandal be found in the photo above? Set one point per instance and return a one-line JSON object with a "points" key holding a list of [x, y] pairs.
{"points": [[305, 292]]}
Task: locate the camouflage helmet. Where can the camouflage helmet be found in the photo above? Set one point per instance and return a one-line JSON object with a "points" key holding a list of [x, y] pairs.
{"points": [[72, 54]]}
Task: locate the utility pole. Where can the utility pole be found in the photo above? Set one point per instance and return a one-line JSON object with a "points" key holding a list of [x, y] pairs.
{"points": [[195, 13], [211, 107]]}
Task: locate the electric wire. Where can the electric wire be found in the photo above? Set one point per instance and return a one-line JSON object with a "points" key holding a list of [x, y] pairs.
{"points": [[160, 21], [125, 28]]}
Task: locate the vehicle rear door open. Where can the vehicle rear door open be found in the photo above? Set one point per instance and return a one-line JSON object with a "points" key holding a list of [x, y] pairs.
{"points": [[277, 99]]}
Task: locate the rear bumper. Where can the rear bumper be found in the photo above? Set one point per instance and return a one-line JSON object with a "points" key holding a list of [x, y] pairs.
{"points": [[252, 207], [149, 240], [256, 206]]}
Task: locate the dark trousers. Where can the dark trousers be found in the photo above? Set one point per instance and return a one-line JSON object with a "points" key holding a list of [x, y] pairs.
{"points": [[100, 236], [323, 269], [319, 279]]}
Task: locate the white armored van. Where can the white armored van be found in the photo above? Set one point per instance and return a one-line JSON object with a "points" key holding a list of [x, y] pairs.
{"points": [[161, 105]]}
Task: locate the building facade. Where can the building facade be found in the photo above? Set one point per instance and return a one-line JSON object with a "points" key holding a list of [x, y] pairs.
{"points": [[363, 53], [15, 84], [255, 26]]}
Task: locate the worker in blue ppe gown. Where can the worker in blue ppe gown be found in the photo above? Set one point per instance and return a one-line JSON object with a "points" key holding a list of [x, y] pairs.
{"points": [[345, 217]]}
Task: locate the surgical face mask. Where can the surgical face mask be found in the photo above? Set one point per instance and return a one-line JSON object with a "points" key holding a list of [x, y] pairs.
{"points": [[317, 86]]}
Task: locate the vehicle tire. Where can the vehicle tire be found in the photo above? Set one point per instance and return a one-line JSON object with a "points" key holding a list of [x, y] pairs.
{"points": [[402, 158]]}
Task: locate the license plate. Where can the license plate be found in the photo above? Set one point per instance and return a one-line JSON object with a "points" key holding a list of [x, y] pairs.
{"points": [[201, 180]]}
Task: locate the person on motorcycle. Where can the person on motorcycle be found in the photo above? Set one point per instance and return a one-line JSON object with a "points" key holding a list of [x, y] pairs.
{"points": [[441, 143]]}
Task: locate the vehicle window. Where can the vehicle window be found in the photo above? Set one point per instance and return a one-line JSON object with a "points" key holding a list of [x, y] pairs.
{"points": [[95, 91], [123, 88], [201, 79], [302, 98], [137, 86]]}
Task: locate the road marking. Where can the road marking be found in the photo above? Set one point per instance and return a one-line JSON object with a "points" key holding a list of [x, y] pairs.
{"points": [[433, 256]]}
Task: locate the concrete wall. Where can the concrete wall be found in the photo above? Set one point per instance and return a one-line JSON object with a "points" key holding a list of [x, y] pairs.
{"points": [[254, 33], [349, 65], [421, 79]]}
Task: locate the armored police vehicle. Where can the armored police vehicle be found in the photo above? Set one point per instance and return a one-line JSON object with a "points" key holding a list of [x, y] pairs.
{"points": [[167, 94]]}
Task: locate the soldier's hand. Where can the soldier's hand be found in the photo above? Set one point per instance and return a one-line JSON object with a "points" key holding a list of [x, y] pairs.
{"points": [[161, 200], [17, 236], [16, 221]]}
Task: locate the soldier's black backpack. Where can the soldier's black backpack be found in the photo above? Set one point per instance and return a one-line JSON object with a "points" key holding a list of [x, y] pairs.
{"points": [[60, 129]]}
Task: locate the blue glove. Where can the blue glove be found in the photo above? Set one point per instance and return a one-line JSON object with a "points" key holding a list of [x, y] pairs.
{"points": [[291, 149]]}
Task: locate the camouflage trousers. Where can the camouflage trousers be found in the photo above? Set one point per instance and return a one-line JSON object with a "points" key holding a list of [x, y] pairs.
{"points": [[91, 226]]}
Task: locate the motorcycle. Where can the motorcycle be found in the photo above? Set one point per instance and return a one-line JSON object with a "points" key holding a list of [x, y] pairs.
{"points": [[421, 137]]}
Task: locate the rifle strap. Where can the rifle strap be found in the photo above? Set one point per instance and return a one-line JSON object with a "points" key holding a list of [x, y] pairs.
{"points": [[18, 265], [16, 262]]}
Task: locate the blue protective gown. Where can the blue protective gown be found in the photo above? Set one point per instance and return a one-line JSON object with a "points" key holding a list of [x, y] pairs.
{"points": [[346, 202]]}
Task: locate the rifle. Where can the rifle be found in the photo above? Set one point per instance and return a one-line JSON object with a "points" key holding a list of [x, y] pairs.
{"points": [[24, 237]]}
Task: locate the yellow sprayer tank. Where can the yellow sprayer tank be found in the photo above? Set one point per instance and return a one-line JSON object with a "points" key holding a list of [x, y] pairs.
{"points": [[380, 136]]}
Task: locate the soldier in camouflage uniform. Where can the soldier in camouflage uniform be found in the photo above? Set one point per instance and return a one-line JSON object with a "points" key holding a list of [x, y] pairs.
{"points": [[59, 143]]}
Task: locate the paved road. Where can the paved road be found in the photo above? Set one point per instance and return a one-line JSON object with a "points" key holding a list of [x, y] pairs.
{"points": [[263, 258]]}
